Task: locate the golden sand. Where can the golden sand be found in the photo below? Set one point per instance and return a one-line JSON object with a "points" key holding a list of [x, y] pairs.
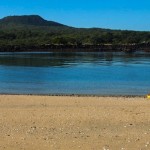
{"points": [[74, 123]]}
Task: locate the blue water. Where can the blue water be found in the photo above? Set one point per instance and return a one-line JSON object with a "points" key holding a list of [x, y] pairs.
{"points": [[75, 73]]}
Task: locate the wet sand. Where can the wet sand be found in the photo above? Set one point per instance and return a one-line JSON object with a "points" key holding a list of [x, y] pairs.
{"points": [[74, 123]]}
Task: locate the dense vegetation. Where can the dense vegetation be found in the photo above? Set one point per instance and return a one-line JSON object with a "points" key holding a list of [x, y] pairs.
{"points": [[34, 30]]}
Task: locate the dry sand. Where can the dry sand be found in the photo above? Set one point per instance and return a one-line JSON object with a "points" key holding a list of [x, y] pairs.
{"points": [[74, 123]]}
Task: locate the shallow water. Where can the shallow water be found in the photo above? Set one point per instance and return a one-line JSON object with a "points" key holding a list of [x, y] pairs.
{"points": [[75, 73]]}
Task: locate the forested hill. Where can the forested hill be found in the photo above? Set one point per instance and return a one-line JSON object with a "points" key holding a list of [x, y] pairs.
{"points": [[33, 30]]}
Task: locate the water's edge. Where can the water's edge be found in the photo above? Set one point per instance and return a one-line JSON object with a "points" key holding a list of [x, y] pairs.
{"points": [[76, 95]]}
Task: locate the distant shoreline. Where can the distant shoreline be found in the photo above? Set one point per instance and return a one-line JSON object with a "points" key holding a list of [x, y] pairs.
{"points": [[129, 48]]}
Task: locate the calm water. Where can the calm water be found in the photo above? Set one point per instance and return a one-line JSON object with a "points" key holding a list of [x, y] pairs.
{"points": [[75, 73]]}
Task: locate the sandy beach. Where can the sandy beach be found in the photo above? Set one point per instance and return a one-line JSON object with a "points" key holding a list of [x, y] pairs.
{"points": [[74, 123]]}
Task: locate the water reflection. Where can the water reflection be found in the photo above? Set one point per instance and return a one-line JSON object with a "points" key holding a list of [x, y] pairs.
{"points": [[75, 73], [70, 59]]}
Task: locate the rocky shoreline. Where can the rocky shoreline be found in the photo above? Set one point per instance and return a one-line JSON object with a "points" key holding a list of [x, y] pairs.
{"points": [[129, 48]]}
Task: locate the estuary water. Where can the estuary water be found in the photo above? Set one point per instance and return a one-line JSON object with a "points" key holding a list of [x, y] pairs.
{"points": [[75, 73]]}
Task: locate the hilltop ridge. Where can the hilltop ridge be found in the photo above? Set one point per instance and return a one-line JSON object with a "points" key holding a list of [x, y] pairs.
{"points": [[35, 20]]}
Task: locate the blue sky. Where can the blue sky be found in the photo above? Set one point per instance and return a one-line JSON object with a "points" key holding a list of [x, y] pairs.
{"points": [[114, 14]]}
